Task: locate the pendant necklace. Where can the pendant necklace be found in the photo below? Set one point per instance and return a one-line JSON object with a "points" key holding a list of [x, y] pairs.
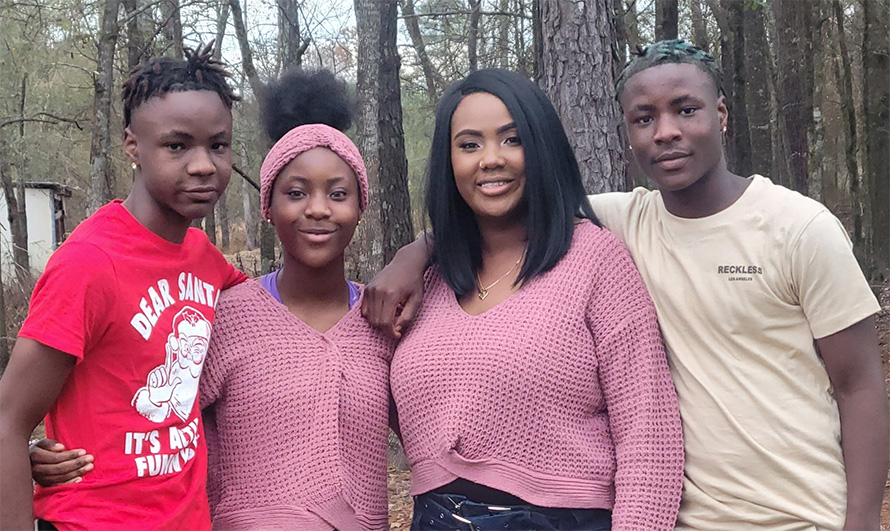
{"points": [[482, 291]]}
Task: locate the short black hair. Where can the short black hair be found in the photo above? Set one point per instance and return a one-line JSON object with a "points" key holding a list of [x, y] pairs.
{"points": [[554, 194], [162, 75], [302, 97], [674, 51]]}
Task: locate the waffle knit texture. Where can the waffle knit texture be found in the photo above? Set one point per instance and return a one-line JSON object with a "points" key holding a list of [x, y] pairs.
{"points": [[296, 421], [301, 139], [560, 395]]}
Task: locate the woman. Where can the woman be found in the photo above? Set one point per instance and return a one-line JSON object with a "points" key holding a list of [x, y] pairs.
{"points": [[532, 390]]}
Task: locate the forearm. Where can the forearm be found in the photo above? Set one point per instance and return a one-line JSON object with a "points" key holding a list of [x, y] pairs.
{"points": [[866, 445], [16, 507]]}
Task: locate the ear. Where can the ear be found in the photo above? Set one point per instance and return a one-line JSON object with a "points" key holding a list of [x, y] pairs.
{"points": [[130, 147], [722, 112]]}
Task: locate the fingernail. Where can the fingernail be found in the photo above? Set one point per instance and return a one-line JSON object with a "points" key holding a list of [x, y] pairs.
{"points": [[88, 466], [89, 459], [81, 452], [78, 480]]}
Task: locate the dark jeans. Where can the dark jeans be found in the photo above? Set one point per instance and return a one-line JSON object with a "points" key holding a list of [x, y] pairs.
{"points": [[434, 512]]}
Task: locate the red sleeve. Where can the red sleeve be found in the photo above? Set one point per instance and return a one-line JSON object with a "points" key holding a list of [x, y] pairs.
{"points": [[234, 277], [72, 301]]}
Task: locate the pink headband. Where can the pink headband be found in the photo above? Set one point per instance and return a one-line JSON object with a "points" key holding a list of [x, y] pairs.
{"points": [[301, 139]]}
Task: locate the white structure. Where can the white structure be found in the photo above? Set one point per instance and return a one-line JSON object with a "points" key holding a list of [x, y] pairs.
{"points": [[45, 208]]}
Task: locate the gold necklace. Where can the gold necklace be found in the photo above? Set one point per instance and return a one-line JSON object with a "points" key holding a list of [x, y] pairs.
{"points": [[482, 292]]}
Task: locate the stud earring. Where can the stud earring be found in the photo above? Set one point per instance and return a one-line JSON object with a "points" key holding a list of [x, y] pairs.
{"points": [[481, 165], [133, 165]]}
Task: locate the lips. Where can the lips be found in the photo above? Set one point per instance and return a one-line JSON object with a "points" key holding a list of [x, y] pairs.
{"points": [[672, 160], [318, 234], [202, 193], [495, 186]]}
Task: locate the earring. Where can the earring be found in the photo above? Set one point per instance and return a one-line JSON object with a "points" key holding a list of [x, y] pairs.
{"points": [[481, 164], [133, 165]]}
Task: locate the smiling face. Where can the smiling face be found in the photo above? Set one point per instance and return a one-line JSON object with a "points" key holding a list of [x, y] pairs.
{"points": [[315, 207], [674, 117], [487, 157], [180, 142]]}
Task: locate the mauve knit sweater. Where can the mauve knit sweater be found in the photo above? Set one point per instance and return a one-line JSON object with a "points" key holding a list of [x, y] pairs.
{"points": [[296, 421], [559, 395]]}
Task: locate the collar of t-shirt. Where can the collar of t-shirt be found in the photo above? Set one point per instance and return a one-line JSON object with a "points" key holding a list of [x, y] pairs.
{"points": [[270, 284]]}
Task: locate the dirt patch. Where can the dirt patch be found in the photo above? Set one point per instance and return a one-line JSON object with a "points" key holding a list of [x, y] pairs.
{"points": [[400, 503]]}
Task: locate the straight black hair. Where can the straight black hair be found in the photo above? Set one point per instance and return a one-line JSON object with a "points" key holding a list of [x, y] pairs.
{"points": [[554, 194]]}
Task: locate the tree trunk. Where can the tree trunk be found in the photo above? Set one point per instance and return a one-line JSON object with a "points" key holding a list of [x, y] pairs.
{"points": [[250, 215], [247, 65], [171, 28], [579, 74], [292, 44], [431, 75], [791, 47], [848, 108], [759, 96], [393, 196], [815, 81], [101, 174], [136, 48], [738, 139], [876, 107], [13, 190], [223, 213], [222, 19], [699, 26], [365, 253], [473, 37], [632, 25], [667, 18]]}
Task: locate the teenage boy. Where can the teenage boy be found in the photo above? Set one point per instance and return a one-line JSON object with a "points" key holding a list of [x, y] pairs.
{"points": [[766, 316], [115, 339]]}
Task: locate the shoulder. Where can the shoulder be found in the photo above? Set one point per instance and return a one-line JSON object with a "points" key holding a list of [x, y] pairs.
{"points": [[248, 292], [785, 206], [80, 258], [616, 209], [590, 242]]}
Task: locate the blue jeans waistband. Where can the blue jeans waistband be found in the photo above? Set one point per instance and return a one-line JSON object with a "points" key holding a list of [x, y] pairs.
{"points": [[434, 512]]}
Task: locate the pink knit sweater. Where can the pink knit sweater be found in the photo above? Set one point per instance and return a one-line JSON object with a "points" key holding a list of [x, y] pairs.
{"points": [[295, 420], [559, 395]]}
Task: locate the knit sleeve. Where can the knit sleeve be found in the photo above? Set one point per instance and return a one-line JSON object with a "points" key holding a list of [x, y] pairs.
{"points": [[640, 398], [220, 350]]}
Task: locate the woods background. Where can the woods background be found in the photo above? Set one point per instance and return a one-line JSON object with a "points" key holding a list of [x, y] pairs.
{"points": [[806, 81]]}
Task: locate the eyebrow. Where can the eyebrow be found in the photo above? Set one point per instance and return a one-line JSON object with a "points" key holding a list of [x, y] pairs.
{"points": [[473, 132], [175, 133], [300, 178], [683, 99]]}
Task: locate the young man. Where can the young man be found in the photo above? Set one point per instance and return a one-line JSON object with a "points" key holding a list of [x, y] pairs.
{"points": [[766, 316], [115, 339]]}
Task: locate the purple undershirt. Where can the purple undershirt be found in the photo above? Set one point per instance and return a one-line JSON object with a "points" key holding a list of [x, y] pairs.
{"points": [[270, 284]]}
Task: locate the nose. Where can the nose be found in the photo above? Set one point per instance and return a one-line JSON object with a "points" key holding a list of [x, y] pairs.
{"points": [[317, 206], [201, 163], [491, 156], [666, 130]]}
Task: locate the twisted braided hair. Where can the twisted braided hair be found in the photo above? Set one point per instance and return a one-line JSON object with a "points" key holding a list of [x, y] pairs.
{"points": [[159, 76], [676, 51]]}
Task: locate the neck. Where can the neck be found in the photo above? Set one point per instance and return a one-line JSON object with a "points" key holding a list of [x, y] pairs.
{"points": [[301, 286], [715, 191], [501, 237], [160, 220]]}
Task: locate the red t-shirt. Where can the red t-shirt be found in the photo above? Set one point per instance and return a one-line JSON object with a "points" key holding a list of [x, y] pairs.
{"points": [[136, 311]]}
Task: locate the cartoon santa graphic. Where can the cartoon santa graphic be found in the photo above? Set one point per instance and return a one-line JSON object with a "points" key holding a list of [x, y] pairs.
{"points": [[173, 386]]}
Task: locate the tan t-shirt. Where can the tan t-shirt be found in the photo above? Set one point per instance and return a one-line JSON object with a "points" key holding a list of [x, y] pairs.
{"points": [[740, 296]]}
